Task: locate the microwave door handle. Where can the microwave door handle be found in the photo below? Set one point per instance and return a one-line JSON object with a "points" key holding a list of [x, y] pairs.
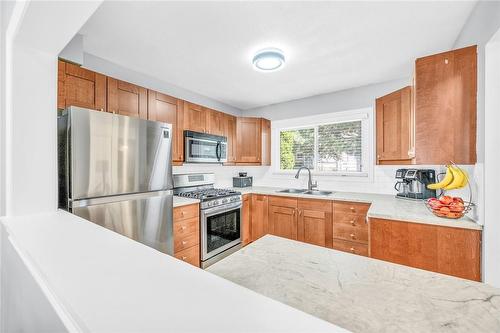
{"points": [[217, 150]]}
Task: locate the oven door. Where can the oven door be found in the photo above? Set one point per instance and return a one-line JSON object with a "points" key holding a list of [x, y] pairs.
{"points": [[205, 151], [220, 229]]}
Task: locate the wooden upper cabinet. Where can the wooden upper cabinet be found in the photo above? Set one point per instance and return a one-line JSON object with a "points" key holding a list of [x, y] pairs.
{"points": [[77, 86], [445, 107], [283, 217], [259, 216], [230, 133], [195, 117], [266, 141], [394, 114], [446, 250], [168, 109], [127, 99], [315, 222], [214, 122], [249, 138]]}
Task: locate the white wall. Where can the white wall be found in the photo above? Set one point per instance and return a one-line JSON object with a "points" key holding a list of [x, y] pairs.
{"points": [[491, 233], [106, 67]]}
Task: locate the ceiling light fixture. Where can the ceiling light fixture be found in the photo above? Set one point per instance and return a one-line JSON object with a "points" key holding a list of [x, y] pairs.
{"points": [[268, 60]]}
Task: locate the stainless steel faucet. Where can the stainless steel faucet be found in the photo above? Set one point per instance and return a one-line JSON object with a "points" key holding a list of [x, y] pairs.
{"points": [[310, 184]]}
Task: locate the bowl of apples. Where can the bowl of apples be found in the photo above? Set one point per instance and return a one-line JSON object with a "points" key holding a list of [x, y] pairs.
{"points": [[448, 207]]}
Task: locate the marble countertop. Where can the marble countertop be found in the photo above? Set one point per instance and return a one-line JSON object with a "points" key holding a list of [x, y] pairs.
{"points": [[361, 294], [182, 201], [101, 281], [383, 206]]}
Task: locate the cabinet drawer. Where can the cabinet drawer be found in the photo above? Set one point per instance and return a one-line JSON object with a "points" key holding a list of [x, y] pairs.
{"points": [[186, 212], [358, 221], [283, 201], [187, 226], [186, 241], [352, 247], [350, 207], [350, 233], [191, 255]]}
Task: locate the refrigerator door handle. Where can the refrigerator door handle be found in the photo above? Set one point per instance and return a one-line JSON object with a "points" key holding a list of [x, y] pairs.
{"points": [[118, 198]]}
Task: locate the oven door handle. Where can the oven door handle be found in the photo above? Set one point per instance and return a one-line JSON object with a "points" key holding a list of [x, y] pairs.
{"points": [[215, 210]]}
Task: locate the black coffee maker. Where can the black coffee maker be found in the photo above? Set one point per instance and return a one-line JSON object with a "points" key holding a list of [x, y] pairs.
{"points": [[412, 183]]}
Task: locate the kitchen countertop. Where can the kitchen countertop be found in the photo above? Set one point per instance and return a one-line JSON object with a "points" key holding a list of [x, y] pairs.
{"points": [[361, 294], [104, 282], [383, 206], [182, 201]]}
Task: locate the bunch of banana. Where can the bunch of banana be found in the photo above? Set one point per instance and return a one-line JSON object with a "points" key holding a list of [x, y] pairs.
{"points": [[455, 178]]}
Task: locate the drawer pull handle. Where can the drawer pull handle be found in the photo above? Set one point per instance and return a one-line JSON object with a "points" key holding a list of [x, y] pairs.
{"points": [[184, 242], [352, 222], [182, 213], [183, 227], [184, 258], [353, 236], [352, 249], [352, 209]]}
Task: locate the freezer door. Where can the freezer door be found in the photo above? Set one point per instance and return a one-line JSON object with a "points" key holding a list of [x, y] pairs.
{"points": [[112, 154], [146, 217]]}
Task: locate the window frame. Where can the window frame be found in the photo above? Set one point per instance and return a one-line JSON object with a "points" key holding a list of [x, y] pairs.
{"points": [[364, 115]]}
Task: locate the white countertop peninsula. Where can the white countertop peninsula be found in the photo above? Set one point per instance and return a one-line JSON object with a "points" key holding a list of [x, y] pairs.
{"points": [[361, 294], [383, 206], [101, 281]]}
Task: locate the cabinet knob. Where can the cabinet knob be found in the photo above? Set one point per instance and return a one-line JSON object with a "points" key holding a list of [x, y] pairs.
{"points": [[352, 222], [184, 242], [352, 209], [353, 236], [183, 227], [446, 61], [352, 249], [184, 258]]}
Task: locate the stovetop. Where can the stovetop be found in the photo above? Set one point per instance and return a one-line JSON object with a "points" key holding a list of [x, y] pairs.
{"points": [[208, 194]]}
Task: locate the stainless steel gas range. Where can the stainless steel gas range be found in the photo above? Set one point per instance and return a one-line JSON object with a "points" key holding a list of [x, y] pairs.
{"points": [[220, 215]]}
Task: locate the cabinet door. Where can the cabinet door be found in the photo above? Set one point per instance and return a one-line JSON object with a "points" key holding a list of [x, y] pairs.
{"points": [[127, 99], [249, 147], [445, 107], [168, 109], [195, 117], [81, 87], [215, 122], [230, 133], [266, 141], [283, 217], [259, 216], [245, 220], [315, 222], [394, 127]]}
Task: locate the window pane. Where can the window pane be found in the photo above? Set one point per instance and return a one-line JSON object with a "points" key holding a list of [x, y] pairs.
{"points": [[339, 147], [297, 149]]}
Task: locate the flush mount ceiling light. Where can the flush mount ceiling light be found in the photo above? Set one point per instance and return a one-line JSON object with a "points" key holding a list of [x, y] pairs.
{"points": [[268, 60]]}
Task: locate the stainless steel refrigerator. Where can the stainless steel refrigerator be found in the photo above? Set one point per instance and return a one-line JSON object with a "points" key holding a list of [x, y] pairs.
{"points": [[116, 171]]}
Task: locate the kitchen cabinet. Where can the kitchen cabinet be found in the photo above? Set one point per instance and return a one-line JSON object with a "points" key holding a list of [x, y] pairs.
{"points": [[195, 117], [394, 119], [350, 228], [253, 141], [77, 86], [445, 107], [214, 122], [283, 217], [259, 216], [230, 134], [245, 219], [170, 110], [315, 222], [187, 234], [446, 250], [127, 99]]}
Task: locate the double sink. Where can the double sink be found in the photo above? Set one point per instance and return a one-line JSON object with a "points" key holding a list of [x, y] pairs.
{"points": [[302, 191]]}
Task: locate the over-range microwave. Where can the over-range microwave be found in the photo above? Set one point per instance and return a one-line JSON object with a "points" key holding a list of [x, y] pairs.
{"points": [[204, 148]]}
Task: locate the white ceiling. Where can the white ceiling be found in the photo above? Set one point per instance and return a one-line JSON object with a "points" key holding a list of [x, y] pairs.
{"points": [[207, 47]]}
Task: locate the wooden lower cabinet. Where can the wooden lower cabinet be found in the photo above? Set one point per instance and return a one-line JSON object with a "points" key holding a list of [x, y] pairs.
{"points": [[259, 216], [283, 217], [246, 236], [315, 222], [350, 229], [446, 250], [187, 234]]}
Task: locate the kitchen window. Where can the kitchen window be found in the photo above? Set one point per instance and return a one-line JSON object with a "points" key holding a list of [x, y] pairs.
{"points": [[334, 144]]}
